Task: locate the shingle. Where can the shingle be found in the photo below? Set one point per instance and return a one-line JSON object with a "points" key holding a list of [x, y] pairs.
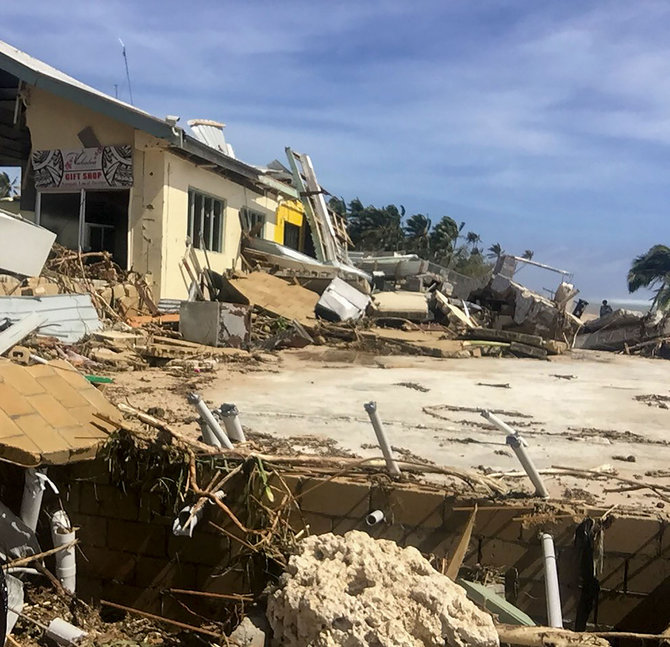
{"points": [[20, 379], [60, 389], [8, 427], [52, 410], [48, 415], [41, 433], [12, 403]]}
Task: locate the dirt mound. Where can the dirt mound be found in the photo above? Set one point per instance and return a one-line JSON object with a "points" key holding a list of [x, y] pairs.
{"points": [[356, 591]]}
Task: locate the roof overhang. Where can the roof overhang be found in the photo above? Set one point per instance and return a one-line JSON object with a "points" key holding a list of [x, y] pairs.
{"points": [[36, 73]]}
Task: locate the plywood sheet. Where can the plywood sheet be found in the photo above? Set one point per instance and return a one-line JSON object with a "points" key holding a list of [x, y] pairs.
{"points": [[275, 295]]}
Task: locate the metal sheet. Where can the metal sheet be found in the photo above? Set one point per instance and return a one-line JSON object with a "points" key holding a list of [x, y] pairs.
{"points": [[24, 246], [69, 317]]}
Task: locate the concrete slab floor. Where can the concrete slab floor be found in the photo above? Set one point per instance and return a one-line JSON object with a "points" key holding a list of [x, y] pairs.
{"points": [[577, 410]]}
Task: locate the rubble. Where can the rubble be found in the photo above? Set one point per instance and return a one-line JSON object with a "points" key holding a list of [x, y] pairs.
{"points": [[196, 526], [355, 590], [628, 331]]}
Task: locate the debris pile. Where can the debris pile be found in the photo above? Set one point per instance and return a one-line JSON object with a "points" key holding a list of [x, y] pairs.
{"points": [[116, 293], [628, 331], [355, 590]]}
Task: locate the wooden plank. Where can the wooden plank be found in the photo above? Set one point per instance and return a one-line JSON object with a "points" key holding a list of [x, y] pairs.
{"points": [[456, 560], [140, 320]]}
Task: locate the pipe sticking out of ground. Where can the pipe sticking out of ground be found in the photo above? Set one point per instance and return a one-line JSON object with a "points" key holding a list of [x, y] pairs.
{"points": [[66, 566], [518, 444], [392, 466], [35, 482], [554, 613], [374, 517], [209, 420], [231, 421]]}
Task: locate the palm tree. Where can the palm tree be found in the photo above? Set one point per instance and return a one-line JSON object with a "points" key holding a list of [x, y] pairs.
{"points": [[652, 270], [376, 229], [443, 238], [473, 239], [417, 230], [495, 251], [528, 254]]}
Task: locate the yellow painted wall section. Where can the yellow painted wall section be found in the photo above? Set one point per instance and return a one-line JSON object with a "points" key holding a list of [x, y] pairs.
{"points": [[180, 176], [54, 123], [290, 211]]}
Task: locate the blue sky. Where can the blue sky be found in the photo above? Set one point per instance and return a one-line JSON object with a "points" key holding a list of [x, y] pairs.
{"points": [[543, 125]]}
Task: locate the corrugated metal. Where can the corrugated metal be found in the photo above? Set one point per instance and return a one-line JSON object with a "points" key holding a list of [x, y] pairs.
{"points": [[70, 317], [169, 306], [211, 133]]}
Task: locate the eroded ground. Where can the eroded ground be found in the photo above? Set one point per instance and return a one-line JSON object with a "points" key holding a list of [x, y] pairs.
{"points": [[585, 410]]}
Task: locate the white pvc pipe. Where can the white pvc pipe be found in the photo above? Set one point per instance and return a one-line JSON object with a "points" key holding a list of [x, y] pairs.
{"points": [[62, 533], [31, 503], [187, 520], [63, 633], [208, 435], [231, 420], [22, 569], [210, 420], [553, 594], [518, 444], [374, 517], [391, 465]]}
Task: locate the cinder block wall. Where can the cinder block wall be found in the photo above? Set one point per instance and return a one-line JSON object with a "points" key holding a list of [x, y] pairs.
{"points": [[129, 554]]}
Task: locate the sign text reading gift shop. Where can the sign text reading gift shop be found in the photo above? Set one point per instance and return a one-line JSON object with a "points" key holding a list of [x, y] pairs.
{"points": [[107, 167]]}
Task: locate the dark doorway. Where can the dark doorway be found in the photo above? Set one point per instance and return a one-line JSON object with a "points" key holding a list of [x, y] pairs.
{"points": [[59, 212], [106, 224]]}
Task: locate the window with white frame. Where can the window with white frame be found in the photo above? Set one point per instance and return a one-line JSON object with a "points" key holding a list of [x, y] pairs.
{"points": [[253, 222], [205, 220]]}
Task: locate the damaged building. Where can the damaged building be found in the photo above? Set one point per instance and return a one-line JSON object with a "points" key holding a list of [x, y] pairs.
{"points": [[181, 514], [105, 175]]}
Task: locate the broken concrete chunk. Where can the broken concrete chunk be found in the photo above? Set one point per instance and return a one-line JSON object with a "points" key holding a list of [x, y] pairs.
{"points": [[356, 590], [215, 324], [251, 632]]}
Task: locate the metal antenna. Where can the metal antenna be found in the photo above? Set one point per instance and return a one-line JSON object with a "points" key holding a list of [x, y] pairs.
{"points": [[125, 60]]}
